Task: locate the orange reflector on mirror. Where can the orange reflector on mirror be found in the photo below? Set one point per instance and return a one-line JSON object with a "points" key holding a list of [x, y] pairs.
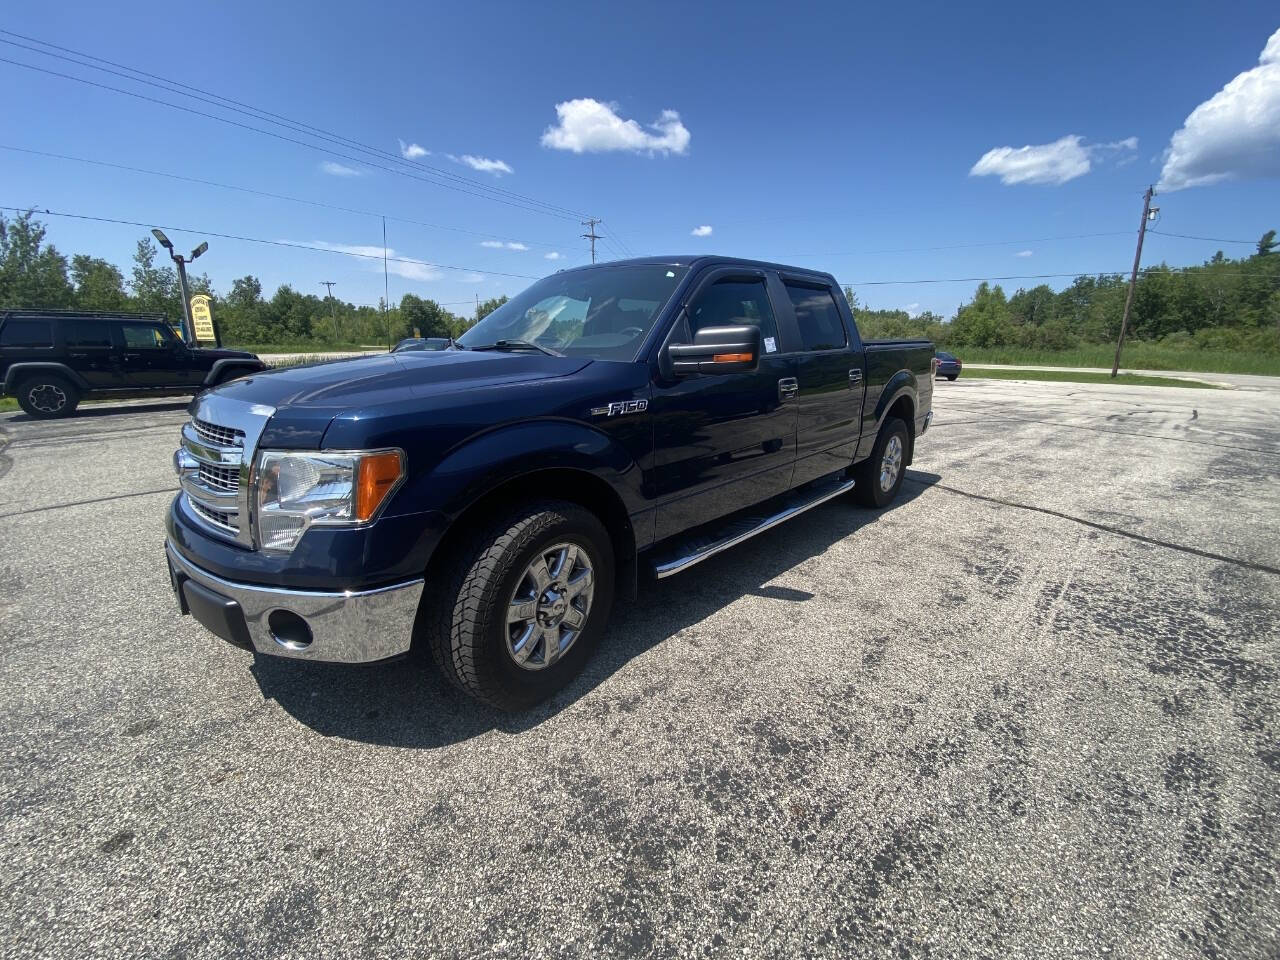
{"points": [[378, 474], [731, 358]]}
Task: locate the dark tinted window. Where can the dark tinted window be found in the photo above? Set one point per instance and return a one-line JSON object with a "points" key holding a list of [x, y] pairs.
{"points": [[818, 317], [944, 356], [27, 333], [732, 303], [143, 336], [86, 333]]}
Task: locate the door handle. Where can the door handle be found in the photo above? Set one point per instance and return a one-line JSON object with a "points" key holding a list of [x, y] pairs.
{"points": [[855, 376], [788, 388]]}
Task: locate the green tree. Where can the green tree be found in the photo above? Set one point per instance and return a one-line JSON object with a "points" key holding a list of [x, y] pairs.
{"points": [[985, 321], [487, 307], [99, 284], [1267, 244], [31, 273], [425, 316], [155, 289]]}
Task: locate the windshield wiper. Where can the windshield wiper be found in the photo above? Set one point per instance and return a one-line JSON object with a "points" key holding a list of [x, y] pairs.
{"points": [[518, 345]]}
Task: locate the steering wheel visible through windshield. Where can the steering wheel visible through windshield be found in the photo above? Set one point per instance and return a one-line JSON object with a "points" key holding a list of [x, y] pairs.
{"points": [[603, 312]]}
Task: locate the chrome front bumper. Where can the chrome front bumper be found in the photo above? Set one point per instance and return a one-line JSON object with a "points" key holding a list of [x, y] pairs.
{"points": [[344, 627]]}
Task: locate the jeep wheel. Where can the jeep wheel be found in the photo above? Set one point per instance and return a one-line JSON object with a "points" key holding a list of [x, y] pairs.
{"points": [[880, 475], [524, 605], [47, 396]]}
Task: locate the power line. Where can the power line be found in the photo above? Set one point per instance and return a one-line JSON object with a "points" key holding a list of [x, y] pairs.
{"points": [[226, 103], [962, 246], [274, 196], [280, 136], [273, 243], [1187, 236], [1148, 271]]}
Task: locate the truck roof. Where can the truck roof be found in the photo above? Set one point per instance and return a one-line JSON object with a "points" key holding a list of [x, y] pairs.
{"points": [[704, 259]]}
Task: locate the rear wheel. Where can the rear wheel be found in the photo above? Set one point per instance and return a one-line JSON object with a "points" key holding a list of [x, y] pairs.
{"points": [[952, 376], [48, 396], [879, 477], [524, 605]]}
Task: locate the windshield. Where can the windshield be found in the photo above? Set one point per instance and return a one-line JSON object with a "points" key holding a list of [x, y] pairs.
{"points": [[603, 313]]}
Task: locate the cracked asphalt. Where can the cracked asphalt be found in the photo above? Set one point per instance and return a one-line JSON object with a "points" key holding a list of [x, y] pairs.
{"points": [[1030, 711]]}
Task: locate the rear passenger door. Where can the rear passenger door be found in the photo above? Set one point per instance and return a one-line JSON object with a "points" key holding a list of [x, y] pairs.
{"points": [[91, 353], [829, 372]]}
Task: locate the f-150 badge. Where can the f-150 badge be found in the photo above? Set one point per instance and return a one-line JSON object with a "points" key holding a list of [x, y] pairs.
{"points": [[619, 407]]}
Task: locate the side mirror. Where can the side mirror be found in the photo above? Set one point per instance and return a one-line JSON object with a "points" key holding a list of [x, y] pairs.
{"points": [[717, 350]]}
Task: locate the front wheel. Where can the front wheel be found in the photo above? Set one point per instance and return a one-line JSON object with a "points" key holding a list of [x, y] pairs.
{"points": [[952, 376], [525, 603], [879, 477], [47, 396]]}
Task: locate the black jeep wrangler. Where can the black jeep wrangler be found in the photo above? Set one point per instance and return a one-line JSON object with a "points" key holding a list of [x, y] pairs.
{"points": [[52, 359]]}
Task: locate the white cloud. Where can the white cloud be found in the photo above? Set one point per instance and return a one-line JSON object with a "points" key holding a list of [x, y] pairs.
{"points": [[590, 126], [492, 244], [401, 266], [913, 309], [1055, 163], [411, 151], [702, 231], [340, 170], [553, 255], [1235, 134], [501, 245], [483, 164], [1023, 253]]}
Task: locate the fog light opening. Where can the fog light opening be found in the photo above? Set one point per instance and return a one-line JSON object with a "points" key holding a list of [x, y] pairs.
{"points": [[289, 630]]}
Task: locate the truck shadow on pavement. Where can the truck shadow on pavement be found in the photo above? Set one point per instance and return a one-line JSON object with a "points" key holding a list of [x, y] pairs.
{"points": [[407, 703]]}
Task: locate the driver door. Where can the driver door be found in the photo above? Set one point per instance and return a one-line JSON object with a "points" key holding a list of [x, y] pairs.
{"points": [[723, 441]]}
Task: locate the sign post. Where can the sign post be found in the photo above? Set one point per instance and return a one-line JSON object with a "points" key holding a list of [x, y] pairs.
{"points": [[202, 320]]}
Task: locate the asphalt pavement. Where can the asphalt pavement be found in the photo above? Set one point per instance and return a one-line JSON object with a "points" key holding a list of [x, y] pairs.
{"points": [[1029, 711]]}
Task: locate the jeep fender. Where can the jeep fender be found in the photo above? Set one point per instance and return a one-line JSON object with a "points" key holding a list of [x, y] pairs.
{"points": [[220, 367], [19, 371]]}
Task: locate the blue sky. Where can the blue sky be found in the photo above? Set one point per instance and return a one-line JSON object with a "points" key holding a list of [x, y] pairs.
{"points": [[838, 136]]}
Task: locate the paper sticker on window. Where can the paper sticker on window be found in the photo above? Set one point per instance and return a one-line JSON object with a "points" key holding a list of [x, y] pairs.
{"points": [[770, 346]]}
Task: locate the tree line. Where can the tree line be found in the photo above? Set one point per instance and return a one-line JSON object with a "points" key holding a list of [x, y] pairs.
{"points": [[1223, 304], [34, 273]]}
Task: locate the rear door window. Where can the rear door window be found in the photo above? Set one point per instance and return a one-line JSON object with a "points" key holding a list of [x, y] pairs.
{"points": [[818, 317], [83, 334], [27, 333]]}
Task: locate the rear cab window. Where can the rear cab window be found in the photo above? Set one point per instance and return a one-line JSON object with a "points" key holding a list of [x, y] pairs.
{"points": [[817, 316], [29, 334]]}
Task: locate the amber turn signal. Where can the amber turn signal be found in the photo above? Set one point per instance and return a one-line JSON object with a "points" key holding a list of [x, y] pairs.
{"points": [[378, 474], [731, 358]]}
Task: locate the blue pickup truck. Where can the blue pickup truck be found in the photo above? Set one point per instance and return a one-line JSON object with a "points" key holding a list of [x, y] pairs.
{"points": [[489, 500]]}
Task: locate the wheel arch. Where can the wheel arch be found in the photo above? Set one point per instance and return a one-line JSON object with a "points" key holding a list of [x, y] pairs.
{"points": [[20, 371]]}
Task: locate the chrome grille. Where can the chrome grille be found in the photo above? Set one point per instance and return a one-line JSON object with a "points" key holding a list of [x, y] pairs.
{"points": [[220, 478], [219, 518], [218, 436], [218, 446]]}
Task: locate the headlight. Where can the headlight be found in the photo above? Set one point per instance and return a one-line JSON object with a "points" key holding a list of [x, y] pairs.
{"points": [[298, 490]]}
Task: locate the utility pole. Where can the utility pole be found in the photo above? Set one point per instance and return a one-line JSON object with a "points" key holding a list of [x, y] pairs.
{"points": [[188, 328], [590, 224], [386, 285], [1133, 277], [329, 285]]}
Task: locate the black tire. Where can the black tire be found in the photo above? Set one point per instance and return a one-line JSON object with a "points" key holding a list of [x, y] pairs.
{"points": [[869, 490], [952, 376], [47, 396], [468, 632]]}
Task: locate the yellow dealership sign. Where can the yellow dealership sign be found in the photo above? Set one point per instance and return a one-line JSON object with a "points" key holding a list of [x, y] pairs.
{"points": [[202, 319]]}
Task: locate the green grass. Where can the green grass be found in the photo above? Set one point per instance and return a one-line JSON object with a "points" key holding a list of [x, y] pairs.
{"points": [[1140, 356], [7, 404], [1066, 376]]}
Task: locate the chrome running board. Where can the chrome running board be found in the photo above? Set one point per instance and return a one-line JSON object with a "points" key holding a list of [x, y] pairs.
{"points": [[673, 558]]}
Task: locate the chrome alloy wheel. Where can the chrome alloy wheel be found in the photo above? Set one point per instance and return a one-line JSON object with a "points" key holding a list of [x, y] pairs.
{"points": [[891, 463], [47, 398], [549, 606]]}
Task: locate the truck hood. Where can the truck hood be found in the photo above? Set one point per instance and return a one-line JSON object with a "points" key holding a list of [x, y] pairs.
{"points": [[365, 382]]}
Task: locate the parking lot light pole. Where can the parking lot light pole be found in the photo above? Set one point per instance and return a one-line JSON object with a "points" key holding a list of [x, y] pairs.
{"points": [[188, 329]]}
